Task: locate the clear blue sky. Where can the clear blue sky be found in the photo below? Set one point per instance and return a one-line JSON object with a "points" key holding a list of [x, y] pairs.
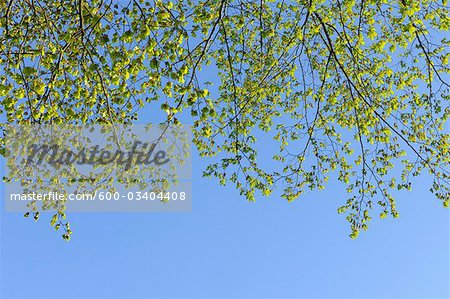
{"points": [[227, 247]]}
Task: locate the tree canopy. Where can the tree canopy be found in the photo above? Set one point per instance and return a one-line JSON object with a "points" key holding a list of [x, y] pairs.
{"points": [[349, 88]]}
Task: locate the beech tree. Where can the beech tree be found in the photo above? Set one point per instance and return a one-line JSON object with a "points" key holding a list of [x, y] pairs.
{"points": [[345, 88]]}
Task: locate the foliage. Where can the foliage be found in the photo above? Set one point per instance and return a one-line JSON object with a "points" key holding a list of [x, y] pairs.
{"points": [[350, 87]]}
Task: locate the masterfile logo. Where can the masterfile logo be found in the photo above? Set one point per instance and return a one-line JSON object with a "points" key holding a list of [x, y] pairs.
{"points": [[119, 167]]}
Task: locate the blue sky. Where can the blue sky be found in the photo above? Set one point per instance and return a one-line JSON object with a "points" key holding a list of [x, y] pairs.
{"points": [[229, 248]]}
